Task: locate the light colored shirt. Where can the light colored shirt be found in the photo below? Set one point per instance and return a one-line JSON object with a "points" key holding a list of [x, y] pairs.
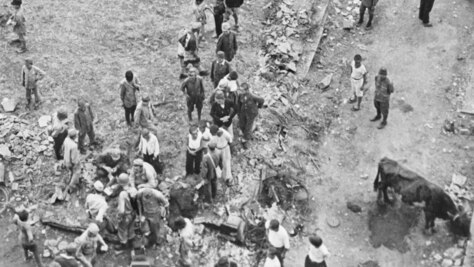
{"points": [[358, 73], [224, 140], [318, 254], [58, 126], [148, 175], [206, 137], [279, 238], [30, 77], [187, 233], [71, 153], [124, 203], [97, 206], [194, 144], [150, 147], [275, 262], [226, 83]]}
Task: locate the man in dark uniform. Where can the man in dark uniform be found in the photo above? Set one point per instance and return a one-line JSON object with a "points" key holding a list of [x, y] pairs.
{"points": [[425, 9], [219, 68], [383, 89], [370, 5], [248, 105], [227, 42], [193, 89]]}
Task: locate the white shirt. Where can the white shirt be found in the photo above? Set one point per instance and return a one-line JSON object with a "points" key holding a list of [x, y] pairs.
{"points": [[194, 144], [318, 254], [225, 82], [150, 147], [358, 73], [71, 153], [187, 233], [278, 239], [272, 262], [223, 140], [97, 206]]}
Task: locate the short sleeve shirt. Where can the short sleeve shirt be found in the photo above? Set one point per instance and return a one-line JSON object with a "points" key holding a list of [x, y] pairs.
{"points": [[358, 73]]}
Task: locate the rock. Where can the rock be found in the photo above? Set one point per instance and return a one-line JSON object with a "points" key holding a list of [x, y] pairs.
{"points": [[454, 253], [458, 262], [44, 120], [364, 176], [324, 83], [449, 126], [5, 151], [458, 179], [464, 131], [333, 221], [353, 207], [347, 24], [447, 263], [437, 257], [461, 243], [46, 253], [9, 105]]}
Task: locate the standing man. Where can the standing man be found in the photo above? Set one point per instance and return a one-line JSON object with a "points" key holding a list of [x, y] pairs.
{"points": [[358, 79], [210, 162], [143, 175], [126, 215], [84, 123], [193, 151], [223, 112], [219, 10], [191, 57], [383, 89], [26, 236], [227, 42], [219, 68], [193, 89], [223, 140], [128, 90], [370, 5], [149, 148], [30, 75], [248, 105], [425, 9], [278, 238], [71, 159], [152, 206], [60, 126], [18, 22], [144, 115]]}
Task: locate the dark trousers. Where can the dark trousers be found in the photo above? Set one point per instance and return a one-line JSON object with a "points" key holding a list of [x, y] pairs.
{"points": [[193, 162], [58, 144], [82, 136], [126, 228], [32, 91], [34, 249], [194, 101], [362, 12], [279, 254], [129, 114], [246, 124], [425, 9], [151, 228], [218, 19], [382, 109], [309, 263], [153, 162]]}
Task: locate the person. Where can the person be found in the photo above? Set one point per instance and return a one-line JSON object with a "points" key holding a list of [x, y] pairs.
{"points": [[232, 7], [143, 175], [229, 85], [278, 238], [181, 52], [200, 17], [128, 94], [369, 5], [383, 90], [126, 216], [149, 149], [144, 115], [111, 163], [191, 57], [59, 131], [210, 162], [358, 79], [424, 14], [67, 257], [27, 239], [225, 262], [223, 112], [19, 27], [71, 159], [87, 244], [248, 105], [219, 68], [272, 260], [193, 151], [219, 11], [227, 42], [152, 206], [84, 123], [205, 132], [317, 253], [193, 89], [96, 208], [185, 230], [30, 75], [223, 140]]}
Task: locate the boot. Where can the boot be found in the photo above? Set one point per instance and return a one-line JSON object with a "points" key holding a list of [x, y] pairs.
{"points": [[369, 24], [357, 108], [199, 115], [376, 118], [190, 116], [382, 124]]}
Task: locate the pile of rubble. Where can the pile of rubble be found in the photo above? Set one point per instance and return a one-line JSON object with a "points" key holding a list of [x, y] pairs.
{"points": [[349, 12], [452, 256]]}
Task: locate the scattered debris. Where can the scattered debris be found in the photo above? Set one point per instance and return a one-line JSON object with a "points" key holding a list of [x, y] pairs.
{"points": [[9, 105], [353, 207], [44, 120], [324, 83]]}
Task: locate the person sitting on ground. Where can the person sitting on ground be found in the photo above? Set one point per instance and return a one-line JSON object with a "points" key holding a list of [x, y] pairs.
{"points": [[225, 262], [278, 238], [87, 244], [26, 236], [68, 258], [96, 208], [317, 254], [149, 149], [143, 175], [111, 163], [59, 131]]}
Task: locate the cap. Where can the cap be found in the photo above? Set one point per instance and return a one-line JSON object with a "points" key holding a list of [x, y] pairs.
{"points": [[99, 186], [123, 179], [16, 3], [137, 162], [315, 241], [383, 71], [225, 26], [72, 132], [71, 248], [212, 145], [219, 95], [93, 228], [146, 98], [220, 54]]}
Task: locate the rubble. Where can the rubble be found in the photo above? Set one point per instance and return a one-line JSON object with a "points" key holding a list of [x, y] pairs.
{"points": [[324, 83], [353, 207], [9, 105]]}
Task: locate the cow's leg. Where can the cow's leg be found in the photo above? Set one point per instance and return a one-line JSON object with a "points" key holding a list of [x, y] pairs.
{"points": [[429, 222], [385, 195]]}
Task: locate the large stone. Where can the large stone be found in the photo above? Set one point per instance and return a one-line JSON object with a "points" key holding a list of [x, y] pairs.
{"points": [[454, 253], [5, 151], [447, 263], [324, 83], [44, 120], [9, 105]]}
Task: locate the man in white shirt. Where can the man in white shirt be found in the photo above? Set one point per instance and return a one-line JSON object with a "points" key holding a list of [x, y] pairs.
{"points": [[143, 175], [358, 79], [30, 75], [71, 160], [278, 238], [96, 207], [149, 148], [272, 260]]}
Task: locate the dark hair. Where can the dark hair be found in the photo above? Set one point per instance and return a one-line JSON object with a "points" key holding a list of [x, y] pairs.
{"points": [[274, 224], [214, 129], [315, 241], [233, 75], [129, 75], [193, 128], [180, 223], [23, 215], [357, 57]]}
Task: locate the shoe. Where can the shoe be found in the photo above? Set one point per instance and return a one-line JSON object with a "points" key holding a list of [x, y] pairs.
{"points": [[21, 50], [427, 24], [355, 109], [381, 125], [352, 100], [376, 118]]}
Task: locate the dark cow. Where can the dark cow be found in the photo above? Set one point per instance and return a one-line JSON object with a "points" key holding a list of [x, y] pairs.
{"points": [[415, 189]]}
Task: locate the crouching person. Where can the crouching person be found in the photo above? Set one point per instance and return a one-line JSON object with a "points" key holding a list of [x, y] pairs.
{"points": [[87, 244], [152, 206]]}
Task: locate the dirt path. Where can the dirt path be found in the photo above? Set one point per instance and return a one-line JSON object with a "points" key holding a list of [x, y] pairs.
{"points": [[420, 62]]}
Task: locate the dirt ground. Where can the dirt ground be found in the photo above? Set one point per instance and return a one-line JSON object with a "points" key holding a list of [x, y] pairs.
{"points": [[85, 48]]}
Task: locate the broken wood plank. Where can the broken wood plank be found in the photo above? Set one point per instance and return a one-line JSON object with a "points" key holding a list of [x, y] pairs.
{"points": [[318, 19], [468, 101]]}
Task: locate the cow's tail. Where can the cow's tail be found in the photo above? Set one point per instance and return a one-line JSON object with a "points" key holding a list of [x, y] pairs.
{"points": [[376, 181]]}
